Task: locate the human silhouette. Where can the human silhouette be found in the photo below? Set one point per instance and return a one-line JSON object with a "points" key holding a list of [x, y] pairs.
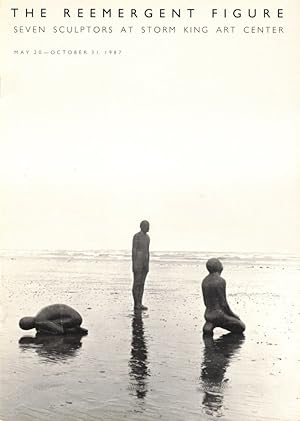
{"points": [[217, 356], [218, 313], [140, 264], [56, 319]]}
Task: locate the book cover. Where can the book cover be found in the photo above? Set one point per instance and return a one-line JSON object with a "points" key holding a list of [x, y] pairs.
{"points": [[184, 114]]}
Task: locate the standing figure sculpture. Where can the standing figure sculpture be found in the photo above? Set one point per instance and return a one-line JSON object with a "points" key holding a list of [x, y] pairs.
{"points": [[218, 313], [55, 319], [140, 264]]}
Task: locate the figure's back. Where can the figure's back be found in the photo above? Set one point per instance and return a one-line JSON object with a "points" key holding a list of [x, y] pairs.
{"points": [[141, 242], [213, 289], [140, 251], [56, 311]]}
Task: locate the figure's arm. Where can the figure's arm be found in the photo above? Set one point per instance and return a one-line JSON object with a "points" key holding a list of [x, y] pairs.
{"points": [[134, 251], [148, 249], [147, 253], [49, 327], [223, 300]]}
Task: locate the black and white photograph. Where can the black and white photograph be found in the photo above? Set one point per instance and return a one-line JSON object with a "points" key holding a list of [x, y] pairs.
{"points": [[150, 210]]}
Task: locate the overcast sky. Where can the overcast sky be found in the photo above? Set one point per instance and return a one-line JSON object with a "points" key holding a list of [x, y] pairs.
{"points": [[198, 134]]}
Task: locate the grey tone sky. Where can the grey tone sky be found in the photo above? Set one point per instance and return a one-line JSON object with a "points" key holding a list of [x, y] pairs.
{"points": [[198, 135]]}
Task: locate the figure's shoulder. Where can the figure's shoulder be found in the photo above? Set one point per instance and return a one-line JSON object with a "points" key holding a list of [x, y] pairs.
{"points": [[205, 280], [48, 308], [213, 280], [47, 311], [136, 236], [221, 281]]}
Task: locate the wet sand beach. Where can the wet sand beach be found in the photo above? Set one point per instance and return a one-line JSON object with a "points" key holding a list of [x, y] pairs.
{"points": [[155, 365]]}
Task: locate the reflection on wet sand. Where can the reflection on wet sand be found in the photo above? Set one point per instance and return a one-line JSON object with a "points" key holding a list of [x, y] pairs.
{"points": [[216, 358], [52, 348], [138, 362]]}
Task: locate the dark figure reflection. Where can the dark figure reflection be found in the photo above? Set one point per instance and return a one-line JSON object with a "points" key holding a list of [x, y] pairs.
{"points": [[138, 362], [52, 348], [217, 356]]}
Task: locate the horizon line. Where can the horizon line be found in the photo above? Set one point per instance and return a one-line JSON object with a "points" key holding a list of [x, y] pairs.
{"points": [[152, 251]]}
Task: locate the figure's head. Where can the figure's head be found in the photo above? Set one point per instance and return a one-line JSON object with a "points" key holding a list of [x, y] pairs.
{"points": [[214, 266], [27, 323], [145, 226]]}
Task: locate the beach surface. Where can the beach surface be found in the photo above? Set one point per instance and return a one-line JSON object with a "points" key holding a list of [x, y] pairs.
{"points": [[155, 365]]}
